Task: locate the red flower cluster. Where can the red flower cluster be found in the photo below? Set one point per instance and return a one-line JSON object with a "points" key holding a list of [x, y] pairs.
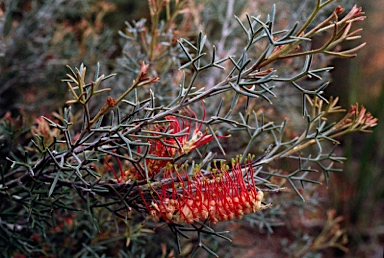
{"points": [[222, 194], [181, 139]]}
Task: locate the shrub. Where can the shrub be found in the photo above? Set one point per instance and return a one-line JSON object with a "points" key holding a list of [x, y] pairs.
{"points": [[199, 136]]}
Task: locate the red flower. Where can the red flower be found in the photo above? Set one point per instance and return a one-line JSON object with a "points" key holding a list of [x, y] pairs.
{"points": [[180, 139], [221, 194], [189, 141]]}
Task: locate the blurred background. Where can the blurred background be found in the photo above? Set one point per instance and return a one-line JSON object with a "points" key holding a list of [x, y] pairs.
{"points": [[38, 38]]}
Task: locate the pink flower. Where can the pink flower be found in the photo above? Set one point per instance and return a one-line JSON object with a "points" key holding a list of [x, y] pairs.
{"points": [[143, 75], [356, 120], [355, 14], [361, 118]]}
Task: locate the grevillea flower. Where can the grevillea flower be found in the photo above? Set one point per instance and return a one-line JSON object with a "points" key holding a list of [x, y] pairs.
{"points": [[357, 119], [181, 138], [355, 14], [219, 195], [191, 139], [143, 75], [360, 118], [44, 131]]}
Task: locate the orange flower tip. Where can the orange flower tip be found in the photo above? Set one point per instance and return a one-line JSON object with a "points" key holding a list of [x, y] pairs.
{"points": [[239, 216], [339, 9], [169, 216], [260, 195], [205, 214], [214, 220], [224, 217], [111, 102], [248, 211]]}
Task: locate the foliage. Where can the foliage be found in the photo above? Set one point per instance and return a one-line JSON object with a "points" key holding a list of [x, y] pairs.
{"points": [[196, 138]]}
